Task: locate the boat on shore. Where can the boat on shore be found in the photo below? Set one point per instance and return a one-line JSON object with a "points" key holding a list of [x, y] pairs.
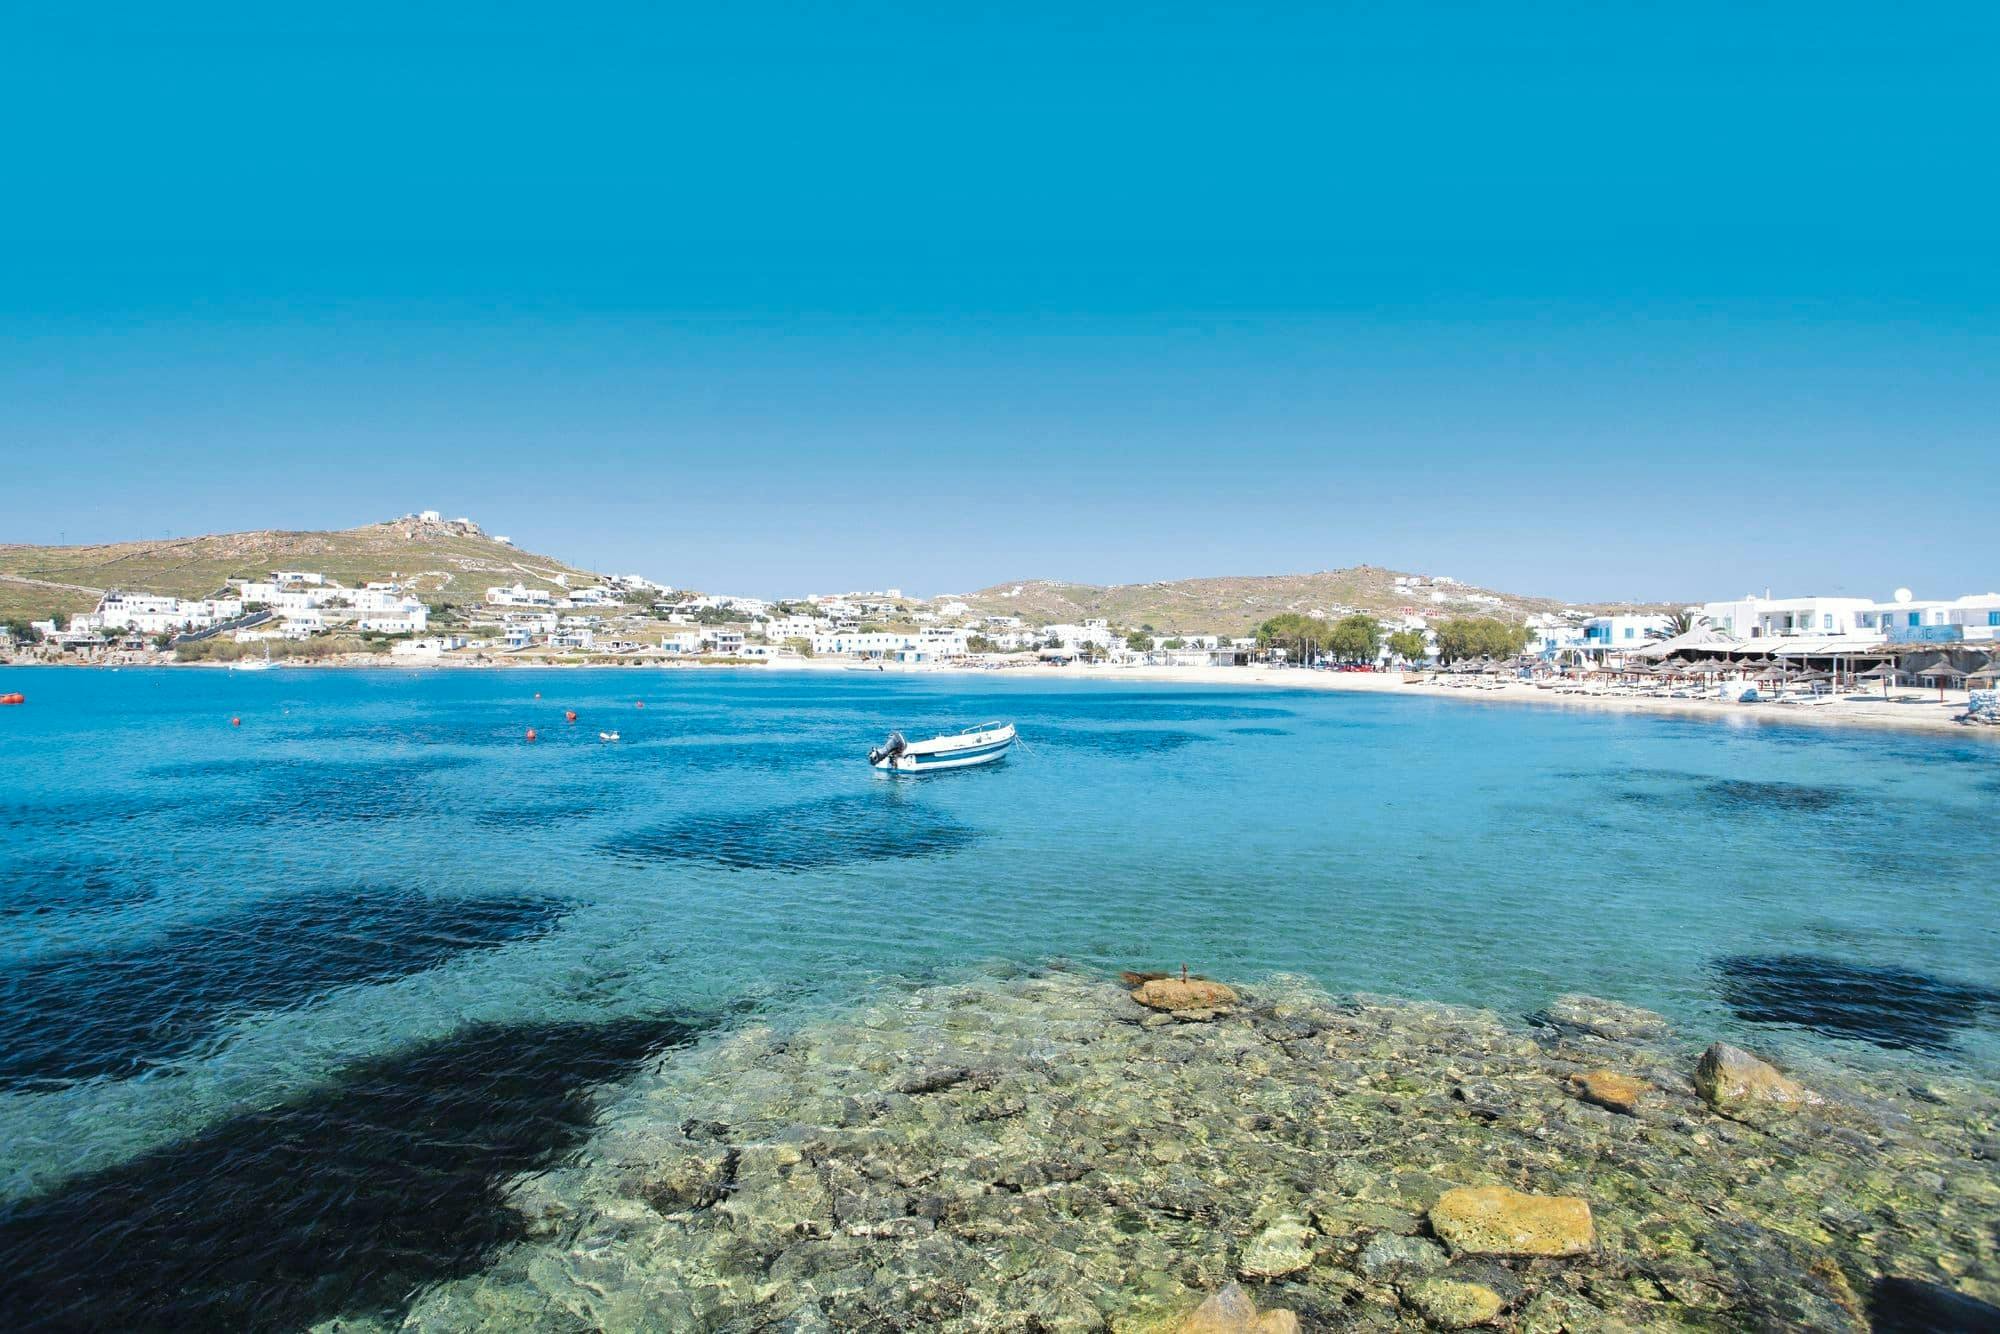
{"points": [[981, 744], [263, 664]]}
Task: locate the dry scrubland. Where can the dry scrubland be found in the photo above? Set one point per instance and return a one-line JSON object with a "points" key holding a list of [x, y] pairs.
{"points": [[1237, 605], [443, 567]]}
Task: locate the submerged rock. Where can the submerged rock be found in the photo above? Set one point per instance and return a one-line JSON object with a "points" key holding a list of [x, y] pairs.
{"points": [[1283, 1248], [1608, 1019], [1018, 1153], [1609, 1089], [1493, 1220], [1450, 1304], [1727, 1074], [1387, 1252], [1231, 1311]]}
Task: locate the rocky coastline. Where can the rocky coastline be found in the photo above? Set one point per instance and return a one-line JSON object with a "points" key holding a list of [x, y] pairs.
{"points": [[1048, 1153]]}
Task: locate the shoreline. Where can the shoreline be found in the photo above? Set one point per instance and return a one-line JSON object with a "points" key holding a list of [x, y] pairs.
{"points": [[1913, 711]]}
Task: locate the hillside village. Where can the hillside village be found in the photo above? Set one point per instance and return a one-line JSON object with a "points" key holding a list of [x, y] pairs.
{"points": [[549, 612]]}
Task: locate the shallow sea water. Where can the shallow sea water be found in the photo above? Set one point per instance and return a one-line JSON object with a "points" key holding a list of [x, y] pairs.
{"points": [[241, 964]]}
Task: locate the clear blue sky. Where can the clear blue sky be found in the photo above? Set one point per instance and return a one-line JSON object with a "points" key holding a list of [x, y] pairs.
{"points": [[1595, 301]]}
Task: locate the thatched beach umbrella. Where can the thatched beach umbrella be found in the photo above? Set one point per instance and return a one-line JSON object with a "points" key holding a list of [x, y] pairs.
{"points": [[1944, 671], [1884, 671]]}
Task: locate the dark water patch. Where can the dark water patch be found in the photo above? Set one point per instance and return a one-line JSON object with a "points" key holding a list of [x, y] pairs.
{"points": [[68, 885], [1258, 731], [1891, 1007], [117, 1012], [1724, 796], [535, 814], [1124, 743], [835, 831], [1743, 794], [1912, 1306], [342, 1202], [763, 756], [79, 810], [341, 790]]}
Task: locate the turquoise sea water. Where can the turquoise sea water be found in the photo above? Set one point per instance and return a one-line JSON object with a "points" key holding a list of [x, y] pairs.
{"points": [[205, 922]]}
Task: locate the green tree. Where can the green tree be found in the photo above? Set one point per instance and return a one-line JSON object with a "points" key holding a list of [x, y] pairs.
{"points": [[1175, 642], [1356, 638], [1408, 645], [1464, 637], [802, 647], [1679, 623], [1139, 641], [1301, 637], [980, 644]]}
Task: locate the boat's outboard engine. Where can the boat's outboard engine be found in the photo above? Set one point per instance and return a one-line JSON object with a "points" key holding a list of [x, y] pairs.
{"points": [[889, 749]]}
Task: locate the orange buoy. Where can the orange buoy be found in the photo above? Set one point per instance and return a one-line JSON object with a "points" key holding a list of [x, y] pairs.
{"points": [[236, 722], [531, 734], [13, 697], [569, 715]]}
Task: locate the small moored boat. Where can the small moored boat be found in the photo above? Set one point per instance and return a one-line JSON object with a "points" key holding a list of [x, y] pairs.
{"points": [[952, 750]]}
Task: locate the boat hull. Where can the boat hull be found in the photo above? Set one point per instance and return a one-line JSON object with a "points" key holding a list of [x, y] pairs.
{"points": [[959, 752]]}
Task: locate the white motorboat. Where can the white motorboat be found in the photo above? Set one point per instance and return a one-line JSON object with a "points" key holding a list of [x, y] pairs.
{"points": [[263, 664], [952, 750]]}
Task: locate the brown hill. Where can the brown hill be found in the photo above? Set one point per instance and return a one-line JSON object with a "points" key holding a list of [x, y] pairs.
{"points": [[445, 562], [1237, 604]]}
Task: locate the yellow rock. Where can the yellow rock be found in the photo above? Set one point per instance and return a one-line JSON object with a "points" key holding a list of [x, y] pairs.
{"points": [[1451, 1304], [1170, 993], [1608, 1088], [1493, 1220], [1231, 1311]]}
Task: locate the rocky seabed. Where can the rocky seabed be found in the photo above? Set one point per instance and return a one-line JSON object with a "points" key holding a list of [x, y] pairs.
{"points": [[1048, 1153]]}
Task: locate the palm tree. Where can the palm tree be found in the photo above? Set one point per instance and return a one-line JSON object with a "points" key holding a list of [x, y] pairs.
{"points": [[1679, 623]]}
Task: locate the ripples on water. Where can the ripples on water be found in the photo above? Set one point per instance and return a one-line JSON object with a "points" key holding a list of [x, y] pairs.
{"points": [[122, 1010], [69, 885], [1890, 1007], [342, 1201], [1130, 742], [1729, 796], [833, 831]]}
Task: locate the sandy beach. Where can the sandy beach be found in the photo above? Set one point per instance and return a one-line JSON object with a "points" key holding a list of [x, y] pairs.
{"points": [[1907, 709]]}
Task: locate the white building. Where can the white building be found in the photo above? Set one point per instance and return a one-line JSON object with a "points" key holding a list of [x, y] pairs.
{"points": [[780, 628], [1753, 617], [929, 644], [1095, 633], [520, 595], [435, 646], [723, 639], [151, 614], [1614, 634], [1905, 619]]}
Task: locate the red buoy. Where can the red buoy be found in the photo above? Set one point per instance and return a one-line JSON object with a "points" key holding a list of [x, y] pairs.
{"points": [[641, 703], [531, 734], [236, 722], [13, 697], [569, 715]]}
